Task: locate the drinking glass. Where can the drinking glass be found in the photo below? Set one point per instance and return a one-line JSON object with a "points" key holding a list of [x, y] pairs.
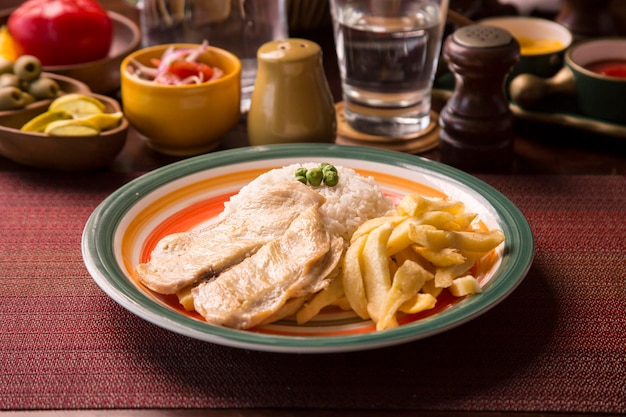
{"points": [[388, 52]]}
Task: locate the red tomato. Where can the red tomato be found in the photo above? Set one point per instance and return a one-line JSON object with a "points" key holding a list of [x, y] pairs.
{"points": [[62, 32], [184, 69]]}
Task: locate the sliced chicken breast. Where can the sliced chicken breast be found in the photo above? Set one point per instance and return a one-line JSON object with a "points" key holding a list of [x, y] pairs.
{"points": [[291, 266], [182, 259]]}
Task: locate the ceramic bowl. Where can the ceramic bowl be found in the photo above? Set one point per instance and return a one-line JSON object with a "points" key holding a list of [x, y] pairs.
{"points": [[542, 43], [102, 76], [183, 120], [599, 96], [61, 153]]}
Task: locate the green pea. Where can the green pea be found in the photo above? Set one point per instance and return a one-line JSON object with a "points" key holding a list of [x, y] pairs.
{"points": [[331, 178], [301, 172], [43, 88], [11, 98], [302, 179], [315, 176], [329, 168], [27, 67]]}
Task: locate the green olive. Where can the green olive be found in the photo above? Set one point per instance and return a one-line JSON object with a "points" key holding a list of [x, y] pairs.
{"points": [[28, 98], [43, 88], [6, 66], [314, 176], [27, 67], [11, 98], [9, 80]]}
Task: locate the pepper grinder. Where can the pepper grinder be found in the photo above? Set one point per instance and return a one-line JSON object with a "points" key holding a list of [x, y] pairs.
{"points": [[476, 122]]}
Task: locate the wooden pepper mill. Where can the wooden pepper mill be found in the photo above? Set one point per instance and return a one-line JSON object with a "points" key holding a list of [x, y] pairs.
{"points": [[476, 122]]}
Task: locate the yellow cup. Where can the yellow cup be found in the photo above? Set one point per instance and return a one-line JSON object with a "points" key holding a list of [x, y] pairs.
{"points": [[183, 120], [542, 43]]}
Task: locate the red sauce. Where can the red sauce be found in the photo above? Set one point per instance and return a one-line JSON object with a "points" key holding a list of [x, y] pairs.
{"points": [[611, 68]]}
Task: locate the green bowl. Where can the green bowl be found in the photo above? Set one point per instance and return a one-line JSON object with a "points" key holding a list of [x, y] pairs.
{"points": [[599, 96]]}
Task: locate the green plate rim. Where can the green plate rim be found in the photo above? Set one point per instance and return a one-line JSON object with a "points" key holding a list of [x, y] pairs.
{"points": [[100, 228]]}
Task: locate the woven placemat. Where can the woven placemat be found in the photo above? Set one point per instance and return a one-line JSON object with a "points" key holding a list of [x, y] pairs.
{"points": [[556, 344]]}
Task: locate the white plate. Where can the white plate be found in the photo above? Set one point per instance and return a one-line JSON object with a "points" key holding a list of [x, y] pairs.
{"points": [[125, 227]]}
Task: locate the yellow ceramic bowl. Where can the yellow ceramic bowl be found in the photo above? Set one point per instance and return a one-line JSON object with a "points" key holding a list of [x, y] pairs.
{"points": [[183, 119], [60, 153], [542, 42]]}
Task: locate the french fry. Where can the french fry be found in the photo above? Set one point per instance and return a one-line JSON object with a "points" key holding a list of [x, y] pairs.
{"points": [[407, 281], [343, 303], [419, 302], [323, 298], [376, 276], [409, 254], [399, 238], [430, 288], [352, 277], [462, 221], [445, 276], [413, 204], [440, 257], [476, 242], [466, 285], [371, 224]]}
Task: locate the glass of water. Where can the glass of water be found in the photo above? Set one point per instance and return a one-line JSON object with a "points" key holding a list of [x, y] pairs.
{"points": [[388, 52]]}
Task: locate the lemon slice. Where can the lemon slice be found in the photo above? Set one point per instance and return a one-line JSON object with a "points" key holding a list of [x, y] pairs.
{"points": [[104, 121], [72, 127], [77, 105], [39, 123]]}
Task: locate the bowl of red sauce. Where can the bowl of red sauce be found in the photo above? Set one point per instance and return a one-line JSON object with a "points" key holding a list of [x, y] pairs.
{"points": [[599, 69]]}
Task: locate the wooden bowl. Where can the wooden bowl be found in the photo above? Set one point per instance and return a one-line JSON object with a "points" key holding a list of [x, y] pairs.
{"points": [[102, 76], [60, 153]]}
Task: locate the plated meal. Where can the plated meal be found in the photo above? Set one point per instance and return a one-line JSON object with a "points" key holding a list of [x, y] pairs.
{"points": [[290, 244], [245, 249]]}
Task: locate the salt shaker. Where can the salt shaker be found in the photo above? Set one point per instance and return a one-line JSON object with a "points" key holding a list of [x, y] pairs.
{"points": [[291, 102], [476, 122]]}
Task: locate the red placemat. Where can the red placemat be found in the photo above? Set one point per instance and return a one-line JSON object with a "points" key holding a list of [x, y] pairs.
{"points": [[558, 343]]}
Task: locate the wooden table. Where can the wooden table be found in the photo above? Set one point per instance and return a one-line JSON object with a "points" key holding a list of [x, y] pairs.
{"points": [[569, 183]]}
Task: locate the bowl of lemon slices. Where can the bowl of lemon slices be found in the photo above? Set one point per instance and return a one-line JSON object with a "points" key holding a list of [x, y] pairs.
{"points": [[75, 132]]}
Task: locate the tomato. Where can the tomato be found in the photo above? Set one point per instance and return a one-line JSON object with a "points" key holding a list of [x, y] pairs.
{"points": [[184, 69], [62, 32]]}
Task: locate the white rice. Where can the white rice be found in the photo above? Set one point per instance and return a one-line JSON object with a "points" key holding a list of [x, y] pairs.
{"points": [[351, 202]]}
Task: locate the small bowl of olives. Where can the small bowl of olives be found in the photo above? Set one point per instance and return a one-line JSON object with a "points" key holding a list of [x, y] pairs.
{"points": [[24, 87], [65, 148]]}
